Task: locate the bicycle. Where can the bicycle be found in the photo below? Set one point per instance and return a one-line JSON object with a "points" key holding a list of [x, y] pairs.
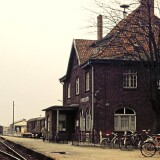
{"points": [[150, 146], [111, 141], [122, 141], [56, 138], [133, 140]]}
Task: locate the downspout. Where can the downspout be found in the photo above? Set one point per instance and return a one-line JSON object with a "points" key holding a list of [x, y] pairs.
{"points": [[92, 99]]}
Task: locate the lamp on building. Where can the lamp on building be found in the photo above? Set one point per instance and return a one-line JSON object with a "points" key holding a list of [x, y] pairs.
{"points": [[124, 6], [107, 104]]}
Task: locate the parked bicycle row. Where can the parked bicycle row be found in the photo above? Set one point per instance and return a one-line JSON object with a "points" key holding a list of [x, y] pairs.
{"points": [[129, 140], [112, 139], [148, 143]]}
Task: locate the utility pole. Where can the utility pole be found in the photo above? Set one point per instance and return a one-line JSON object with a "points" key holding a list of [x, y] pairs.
{"points": [[13, 118]]}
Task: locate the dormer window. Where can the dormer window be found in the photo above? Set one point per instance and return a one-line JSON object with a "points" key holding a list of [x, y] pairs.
{"points": [[97, 49], [130, 78]]}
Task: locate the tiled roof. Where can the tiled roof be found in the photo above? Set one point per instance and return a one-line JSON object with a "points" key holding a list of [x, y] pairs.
{"points": [[83, 49], [124, 39], [129, 34]]}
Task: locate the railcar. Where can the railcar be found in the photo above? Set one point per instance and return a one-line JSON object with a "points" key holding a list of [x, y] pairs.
{"points": [[35, 125], [1, 129]]}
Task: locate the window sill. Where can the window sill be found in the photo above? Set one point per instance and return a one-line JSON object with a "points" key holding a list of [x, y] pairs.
{"points": [[131, 89]]}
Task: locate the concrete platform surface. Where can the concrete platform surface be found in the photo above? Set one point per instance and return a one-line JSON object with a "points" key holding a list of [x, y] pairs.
{"points": [[83, 152]]}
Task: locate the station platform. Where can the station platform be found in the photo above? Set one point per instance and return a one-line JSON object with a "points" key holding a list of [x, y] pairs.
{"points": [[54, 151], [61, 151]]}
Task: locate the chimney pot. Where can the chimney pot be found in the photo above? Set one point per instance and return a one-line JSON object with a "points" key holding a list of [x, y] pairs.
{"points": [[99, 27]]}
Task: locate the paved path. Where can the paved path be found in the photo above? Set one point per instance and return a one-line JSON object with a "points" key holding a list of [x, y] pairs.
{"points": [[79, 152]]}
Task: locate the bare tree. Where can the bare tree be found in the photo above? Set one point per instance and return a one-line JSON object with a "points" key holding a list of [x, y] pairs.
{"points": [[136, 38]]}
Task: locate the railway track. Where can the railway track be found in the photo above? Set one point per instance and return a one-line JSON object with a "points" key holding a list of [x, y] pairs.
{"points": [[9, 151]]}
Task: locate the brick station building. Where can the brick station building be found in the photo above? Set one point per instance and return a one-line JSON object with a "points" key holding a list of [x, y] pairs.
{"points": [[102, 89]]}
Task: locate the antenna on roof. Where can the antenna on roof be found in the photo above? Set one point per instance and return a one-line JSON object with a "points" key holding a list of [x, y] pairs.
{"points": [[124, 6]]}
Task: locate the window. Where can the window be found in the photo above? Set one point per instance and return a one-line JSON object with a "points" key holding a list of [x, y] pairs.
{"points": [[88, 120], [130, 79], [158, 84], [87, 81], [77, 86], [69, 90], [97, 49], [85, 120], [48, 123], [124, 119], [62, 122], [82, 121]]}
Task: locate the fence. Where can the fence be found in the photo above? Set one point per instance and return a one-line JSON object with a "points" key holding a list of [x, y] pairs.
{"points": [[85, 137]]}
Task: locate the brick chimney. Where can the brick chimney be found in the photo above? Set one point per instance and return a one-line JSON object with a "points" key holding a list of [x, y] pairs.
{"points": [[148, 3], [99, 27]]}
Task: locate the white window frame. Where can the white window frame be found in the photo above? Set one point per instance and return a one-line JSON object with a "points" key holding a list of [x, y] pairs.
{"points": [[48, 123], [130, 78], [97, 49], [88, 120], [158, 84], [124, 122], [69, 90], [87, 81], [77, 86], [82, 121]]}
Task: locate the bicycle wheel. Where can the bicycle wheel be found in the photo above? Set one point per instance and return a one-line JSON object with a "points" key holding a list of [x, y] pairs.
{"points": [[115, 143], [148, 149], [122, 144], [104, 143], [129, 145], [96, 140]]}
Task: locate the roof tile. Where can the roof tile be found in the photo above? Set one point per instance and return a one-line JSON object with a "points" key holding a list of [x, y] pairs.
{"points": [[124, 39]]}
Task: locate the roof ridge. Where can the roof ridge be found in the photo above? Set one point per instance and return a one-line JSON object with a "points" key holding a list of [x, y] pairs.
{"points": [[84, 39]]}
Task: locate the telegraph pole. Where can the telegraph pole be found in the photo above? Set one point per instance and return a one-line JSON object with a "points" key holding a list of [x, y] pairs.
{"points": [[13, 118]]}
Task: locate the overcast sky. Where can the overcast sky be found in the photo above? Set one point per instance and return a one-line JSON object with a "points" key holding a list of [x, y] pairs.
{"points": [[35, 44]]}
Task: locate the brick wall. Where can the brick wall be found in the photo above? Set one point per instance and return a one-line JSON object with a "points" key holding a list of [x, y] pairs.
{"points": [[110, 94]]}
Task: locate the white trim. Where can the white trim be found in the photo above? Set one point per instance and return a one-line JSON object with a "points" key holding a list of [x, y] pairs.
{"points": [[118, 127], [87, 79], [129, 77], [77, 86], [69, 90], [74, 44], [158, 84]]}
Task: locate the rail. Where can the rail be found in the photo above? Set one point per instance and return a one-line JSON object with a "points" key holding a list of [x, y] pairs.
{"points": [[10, 152]]}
